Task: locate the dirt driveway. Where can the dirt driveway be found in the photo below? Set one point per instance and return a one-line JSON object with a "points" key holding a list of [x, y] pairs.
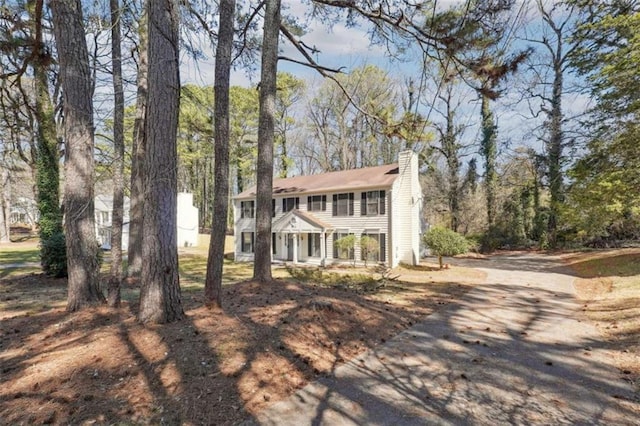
{"points": [[515, 350]]}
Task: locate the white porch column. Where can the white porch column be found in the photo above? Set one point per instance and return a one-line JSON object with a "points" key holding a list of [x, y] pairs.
{"points": [[323, 254], [295, 248]]}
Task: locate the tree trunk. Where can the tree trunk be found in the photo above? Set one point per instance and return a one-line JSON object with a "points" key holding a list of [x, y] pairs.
{"points": [[489, 152], [5, 205], [160, 284], [47, 159], [554, 148], [136, 209], [80, 232], [115, 275], [450, 148], [266, 125], [213, 283]]}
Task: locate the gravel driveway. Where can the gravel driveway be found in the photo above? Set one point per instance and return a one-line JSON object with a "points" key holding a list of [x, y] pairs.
{"points": [[515, 350]]}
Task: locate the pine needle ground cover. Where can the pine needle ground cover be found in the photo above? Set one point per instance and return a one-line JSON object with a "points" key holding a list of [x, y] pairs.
{"points": [[609, 285], [216, 366]]}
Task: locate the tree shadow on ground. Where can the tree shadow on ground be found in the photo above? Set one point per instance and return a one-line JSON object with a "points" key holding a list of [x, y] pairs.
{"points": [[102, 366], [470, 365]]}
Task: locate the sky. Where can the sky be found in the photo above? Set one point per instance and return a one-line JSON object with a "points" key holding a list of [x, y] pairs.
{"points": [[347, 48]]}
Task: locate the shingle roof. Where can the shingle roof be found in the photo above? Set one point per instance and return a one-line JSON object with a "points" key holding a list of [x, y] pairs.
{"points": [[379, 176], [283, 222]]}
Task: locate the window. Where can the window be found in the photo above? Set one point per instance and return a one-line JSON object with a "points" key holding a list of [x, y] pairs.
{"points": [[343, 204], [314, 245], [247, 209], [246, 241], [343, 245], [273, 207], [373, 246], [372, 203], [289, 204], [104, 218], [316, 203]]}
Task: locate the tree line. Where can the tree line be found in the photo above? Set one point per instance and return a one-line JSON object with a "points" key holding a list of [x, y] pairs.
{"points": [[573, 181]]}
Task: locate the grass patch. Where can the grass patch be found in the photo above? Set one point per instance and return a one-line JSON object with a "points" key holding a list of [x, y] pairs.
{"points": [[12, 255]]}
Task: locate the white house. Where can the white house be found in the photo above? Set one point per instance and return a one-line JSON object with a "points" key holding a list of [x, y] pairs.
{"points": [[187, 221], [310, 213]]}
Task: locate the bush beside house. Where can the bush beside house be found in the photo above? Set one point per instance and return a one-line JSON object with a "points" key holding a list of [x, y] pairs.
{"points": [[445, 242]]}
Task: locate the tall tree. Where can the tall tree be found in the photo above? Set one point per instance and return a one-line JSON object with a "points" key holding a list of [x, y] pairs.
{"points": [[5, 203], [549, 70], [262, 252], [608, 57], [215, 261], [290, 91], [136, 210], [355, 121], [244, 113], [79, 224], [195, 147], [486, 58], [603, 199], [160, 299], [449, 96], [28, 113], [115, 275]]}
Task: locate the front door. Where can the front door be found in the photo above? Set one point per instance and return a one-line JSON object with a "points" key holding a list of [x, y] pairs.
{"points": [[290, 246]]}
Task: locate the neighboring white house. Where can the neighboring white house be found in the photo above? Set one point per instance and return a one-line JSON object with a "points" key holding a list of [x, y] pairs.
{"points": [[187, 221], [24, 211], [311, 212]]}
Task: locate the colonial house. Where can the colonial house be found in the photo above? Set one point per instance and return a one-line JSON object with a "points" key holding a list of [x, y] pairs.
{"points": [[187, 221], [312, 213]]}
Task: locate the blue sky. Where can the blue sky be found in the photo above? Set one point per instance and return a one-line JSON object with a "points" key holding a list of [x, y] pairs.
{"points": [[350, 48]]}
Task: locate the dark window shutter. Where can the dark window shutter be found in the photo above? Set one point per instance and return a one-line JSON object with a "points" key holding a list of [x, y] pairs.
{"points": [[351, 204], [309, 244], [383, 202], [383, 248], [335, 204], [309, 203], [297, 202], [324, 202], [273, 243], [335, 248], [241, 209], [273, 207], [253, 242], [363, 204], [242, 247], [284, 205]]}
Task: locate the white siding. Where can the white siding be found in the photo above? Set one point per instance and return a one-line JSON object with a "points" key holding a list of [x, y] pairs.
{"points": [[405, 207], [356, 224], [400, 223]]}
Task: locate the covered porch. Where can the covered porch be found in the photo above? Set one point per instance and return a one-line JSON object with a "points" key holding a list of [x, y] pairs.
{"points": [[300, 238]]}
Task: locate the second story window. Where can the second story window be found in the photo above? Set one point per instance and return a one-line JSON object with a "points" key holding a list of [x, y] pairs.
{"points": [[247, 209], [317, 203], [289, 204], [372, 203], [343, 204]]}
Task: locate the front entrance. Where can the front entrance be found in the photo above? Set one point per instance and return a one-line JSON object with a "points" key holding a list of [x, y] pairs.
{"points": [[290, 238]]}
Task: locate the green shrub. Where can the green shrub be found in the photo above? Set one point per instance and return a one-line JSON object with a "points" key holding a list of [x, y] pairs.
{"points": [[369, 249], [445, 242], [53, 255], [474, 241], [346, 246]]}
